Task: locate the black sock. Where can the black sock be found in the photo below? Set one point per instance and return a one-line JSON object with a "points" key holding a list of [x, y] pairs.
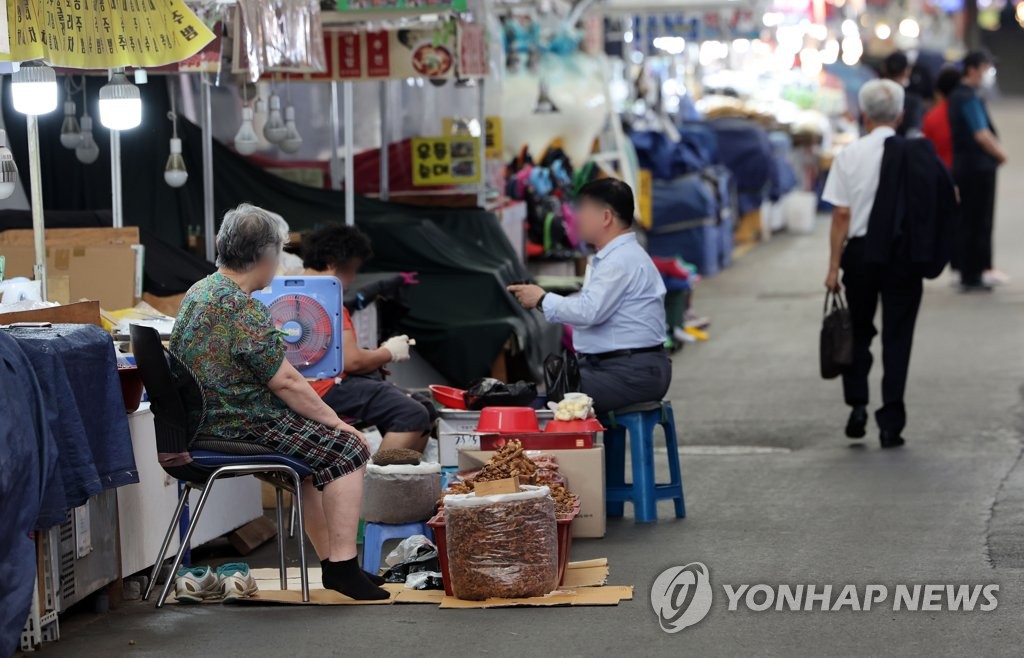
{"points": [[372, 577], [346, 577]]}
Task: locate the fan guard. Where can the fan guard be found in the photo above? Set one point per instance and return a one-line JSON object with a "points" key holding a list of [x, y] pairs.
{"points": [[306, 328]]}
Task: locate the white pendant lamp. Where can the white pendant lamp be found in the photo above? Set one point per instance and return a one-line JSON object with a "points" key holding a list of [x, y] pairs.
{"points": [[87, 150], [246, 139], [275, 130], [8, 169], [120, 103], [34, 89], [292, 141], [70, 130], [175, 173]]}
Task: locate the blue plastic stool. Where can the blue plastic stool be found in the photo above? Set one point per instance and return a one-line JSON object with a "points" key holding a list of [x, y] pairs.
{"points": [[638, 423], [376, 534]]}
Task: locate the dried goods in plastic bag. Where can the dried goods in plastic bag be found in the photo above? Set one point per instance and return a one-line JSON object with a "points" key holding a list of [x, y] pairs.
{"points": [[502, 546]]}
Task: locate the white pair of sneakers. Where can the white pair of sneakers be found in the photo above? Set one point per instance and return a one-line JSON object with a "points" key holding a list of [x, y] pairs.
{"points": [[229, 582]]}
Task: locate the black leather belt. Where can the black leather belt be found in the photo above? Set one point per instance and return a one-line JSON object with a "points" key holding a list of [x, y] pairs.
{"points": [[620, 353]]}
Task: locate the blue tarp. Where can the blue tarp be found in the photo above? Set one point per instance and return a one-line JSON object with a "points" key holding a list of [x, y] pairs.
{"points": [[28, 456], [686, 222], [745, 149], [784, 178]]}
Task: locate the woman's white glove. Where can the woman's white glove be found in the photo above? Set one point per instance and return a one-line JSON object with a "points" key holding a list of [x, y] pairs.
{"points": [[399, 348]]}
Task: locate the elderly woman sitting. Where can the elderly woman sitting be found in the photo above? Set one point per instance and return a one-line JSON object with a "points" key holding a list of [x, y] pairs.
{"points": [[253, 394]]}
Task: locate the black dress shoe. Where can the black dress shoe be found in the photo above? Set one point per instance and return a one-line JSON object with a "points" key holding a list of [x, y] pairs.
{"points": [[970, 288], [891, 439], [857, 425]]}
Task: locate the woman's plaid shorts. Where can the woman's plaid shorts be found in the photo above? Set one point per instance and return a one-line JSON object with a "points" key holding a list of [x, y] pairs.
{"points": [[329, 452]]}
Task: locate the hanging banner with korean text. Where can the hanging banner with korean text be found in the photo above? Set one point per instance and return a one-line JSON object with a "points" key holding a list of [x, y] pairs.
{"points": [[104, 34], [445, 161]]}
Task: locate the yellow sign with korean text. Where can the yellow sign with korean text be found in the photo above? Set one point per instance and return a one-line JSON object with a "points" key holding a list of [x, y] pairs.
{"points": [[644, 197], [104, 34], [445, 161], [492, 134]]}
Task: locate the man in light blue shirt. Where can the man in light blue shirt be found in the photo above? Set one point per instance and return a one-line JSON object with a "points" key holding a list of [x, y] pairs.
{"points": [[618, 318]]}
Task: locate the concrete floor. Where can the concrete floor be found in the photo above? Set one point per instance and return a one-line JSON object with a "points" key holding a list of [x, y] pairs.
{"points": [[947, 509]]}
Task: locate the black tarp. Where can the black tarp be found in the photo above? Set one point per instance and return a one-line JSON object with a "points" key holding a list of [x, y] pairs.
{"points": [[460, 314]]}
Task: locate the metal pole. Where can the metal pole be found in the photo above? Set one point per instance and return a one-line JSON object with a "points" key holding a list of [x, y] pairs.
{"points": [[209, 223], [481, 110], [336, 167], [116, 199], [35, 177], [385, 182], [350, 183]]}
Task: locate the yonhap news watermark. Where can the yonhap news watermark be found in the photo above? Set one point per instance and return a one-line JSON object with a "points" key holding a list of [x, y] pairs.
{"points": [[682, 596]]}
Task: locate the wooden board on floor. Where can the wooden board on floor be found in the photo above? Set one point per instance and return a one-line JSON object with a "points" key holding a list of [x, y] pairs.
{"points": [[252, 535]]}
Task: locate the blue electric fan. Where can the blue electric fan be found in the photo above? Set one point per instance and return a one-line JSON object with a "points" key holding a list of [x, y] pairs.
{"points": [[307, 311]]}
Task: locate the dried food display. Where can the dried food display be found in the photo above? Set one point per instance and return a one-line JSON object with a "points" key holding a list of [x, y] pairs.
{"points": [[539, 468], [509, 461]]}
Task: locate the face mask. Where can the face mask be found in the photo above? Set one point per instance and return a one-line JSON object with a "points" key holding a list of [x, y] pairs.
{"points": [[989, 79]]}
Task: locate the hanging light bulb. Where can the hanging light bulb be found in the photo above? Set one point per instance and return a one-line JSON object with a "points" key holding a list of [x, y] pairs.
{"points": [[292, 141], [246, 139], [70, 131], [120, 103], [88, 150], [275, 130], [34, 89], [175, 174], [8, 170]]}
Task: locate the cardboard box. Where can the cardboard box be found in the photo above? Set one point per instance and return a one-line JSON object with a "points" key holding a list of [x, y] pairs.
{"points": [[99, 263], [584, 471]]}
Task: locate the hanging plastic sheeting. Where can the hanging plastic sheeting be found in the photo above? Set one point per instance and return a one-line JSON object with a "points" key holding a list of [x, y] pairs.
{"points": [[282, 35], [566, 99]]}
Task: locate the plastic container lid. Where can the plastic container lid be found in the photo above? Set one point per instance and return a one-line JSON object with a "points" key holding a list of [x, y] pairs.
{"points": [[453, 398], [574, 426]]}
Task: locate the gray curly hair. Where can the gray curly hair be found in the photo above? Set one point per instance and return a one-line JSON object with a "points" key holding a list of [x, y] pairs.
{"points": [[247, 234]]}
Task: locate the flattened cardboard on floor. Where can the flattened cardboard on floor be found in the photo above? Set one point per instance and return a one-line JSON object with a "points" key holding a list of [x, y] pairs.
{"points": [[584, 471], [582, 596], [584, 585]]}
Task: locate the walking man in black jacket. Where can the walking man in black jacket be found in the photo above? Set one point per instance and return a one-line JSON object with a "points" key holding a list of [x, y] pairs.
{"points": [[885, 237]]}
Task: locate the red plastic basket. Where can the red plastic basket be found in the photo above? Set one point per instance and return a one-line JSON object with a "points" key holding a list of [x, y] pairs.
{"points": [[564, 521], [540, 440]]}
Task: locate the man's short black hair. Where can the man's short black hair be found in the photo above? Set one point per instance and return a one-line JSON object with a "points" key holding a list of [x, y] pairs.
{"points": [[335, 246], [949, 78], [976, 59], [895, 65], [613, 193]]}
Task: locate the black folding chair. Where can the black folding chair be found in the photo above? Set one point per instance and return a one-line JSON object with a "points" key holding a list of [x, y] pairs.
{"points": [[178, 405]]}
